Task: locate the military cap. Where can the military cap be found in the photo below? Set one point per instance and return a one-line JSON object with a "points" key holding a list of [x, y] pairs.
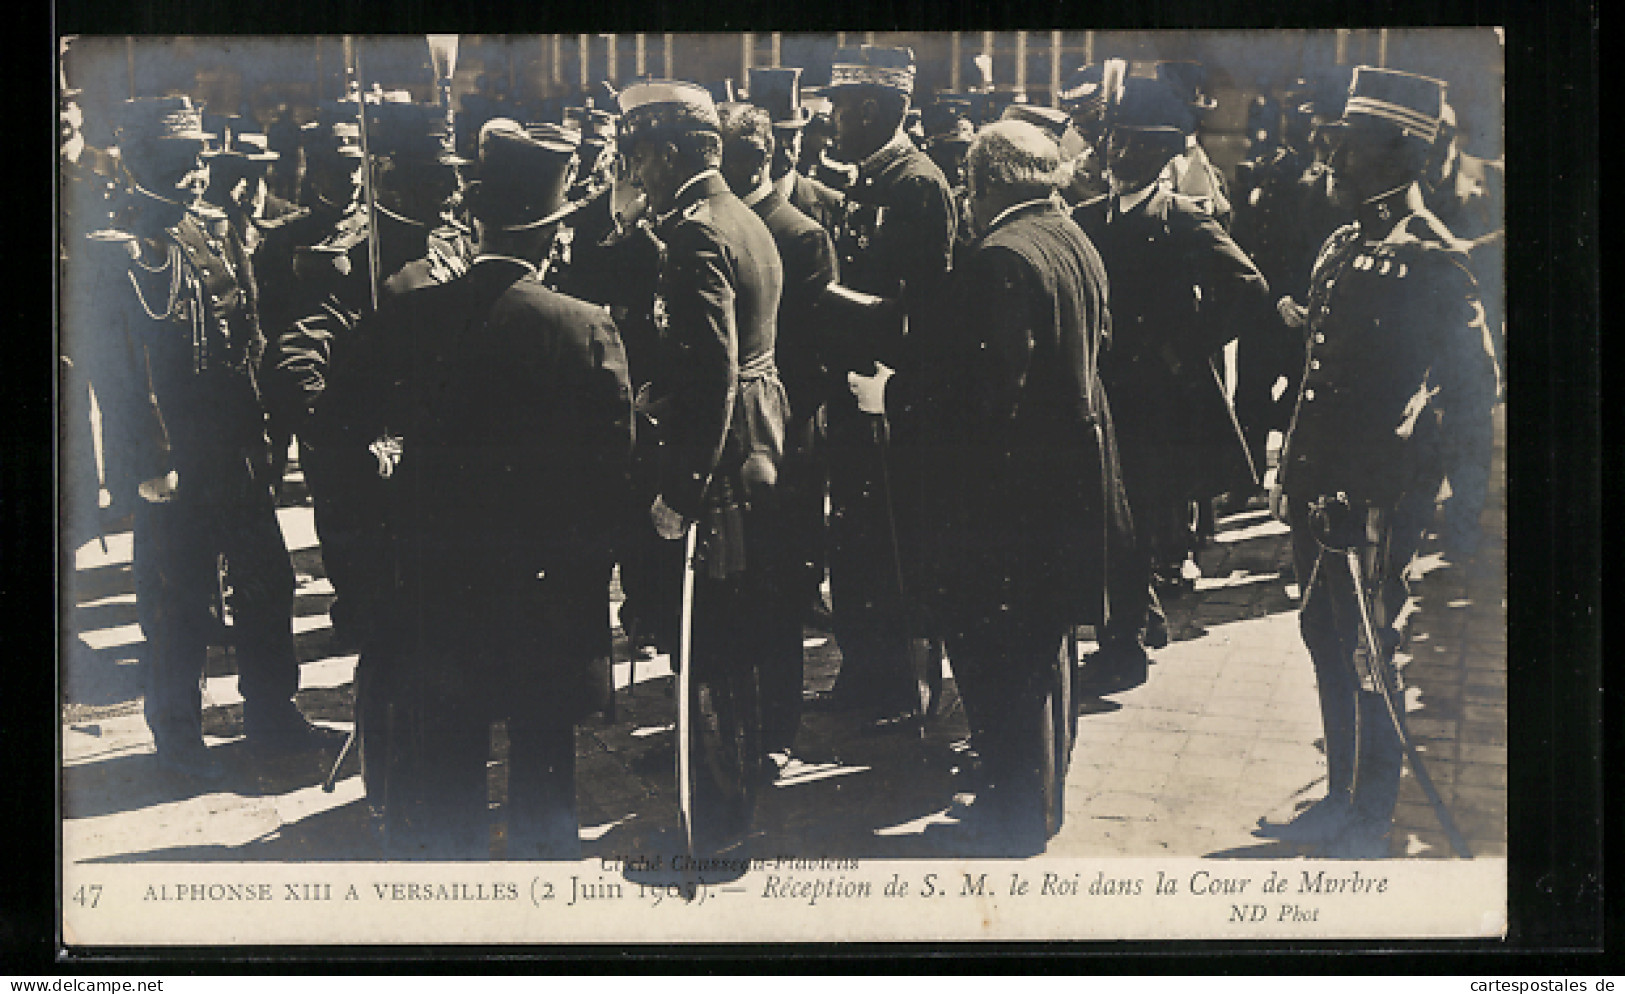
{"points": [[523, 174], [1084, 90], [665, 107], [1148, 105], [1410, 104], [778, 91], [1051, 121], [162, 119], [1189, 80], [873, 65]]}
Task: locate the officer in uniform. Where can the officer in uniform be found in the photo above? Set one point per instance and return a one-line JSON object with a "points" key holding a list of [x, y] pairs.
{"points": [[315, 279], [725, 409], [513, 415], [1180, 289], [778, 91], [237, 184], [171, 337], [1027, 460], [808, 259], [1083, 146], [895, 248], [1399, 371]]}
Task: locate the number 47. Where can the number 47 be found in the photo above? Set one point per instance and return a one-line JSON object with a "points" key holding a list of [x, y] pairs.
{"points": [[87, 895]]}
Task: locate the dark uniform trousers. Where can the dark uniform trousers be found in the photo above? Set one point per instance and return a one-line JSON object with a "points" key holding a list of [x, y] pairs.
{"points": [[224, 510], [1333, 633], [896, 242]]}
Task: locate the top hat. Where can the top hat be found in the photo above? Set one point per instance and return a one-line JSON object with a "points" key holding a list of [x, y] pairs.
{"points": [[1188, 80], [873, 65], [1148, 106], [1049, 120], [410, 131], [1084, 91], [1404, 102], [778, 91], [948, 120], [523, 174], [336, 132], [666, 107]]}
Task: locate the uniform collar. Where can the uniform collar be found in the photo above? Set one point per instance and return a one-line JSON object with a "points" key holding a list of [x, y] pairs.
{"points": [[511, 259], [1013, 208], [899, 145], [697, 187], [761, 192], [1378, 215]]}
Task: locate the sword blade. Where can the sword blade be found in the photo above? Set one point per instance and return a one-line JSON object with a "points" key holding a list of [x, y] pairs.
{"points": [[1377, 671], [685, 681]]}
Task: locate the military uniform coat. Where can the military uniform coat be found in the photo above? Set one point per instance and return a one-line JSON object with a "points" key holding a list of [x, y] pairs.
{"points": [[807, 257], [1399, 365], [719, 291]]}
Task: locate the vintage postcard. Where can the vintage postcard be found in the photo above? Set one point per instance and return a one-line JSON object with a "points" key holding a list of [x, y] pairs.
{"points": [[486, 517]]}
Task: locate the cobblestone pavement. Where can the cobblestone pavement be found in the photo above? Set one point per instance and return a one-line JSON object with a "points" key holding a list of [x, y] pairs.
{"points": [[1225, 732]]}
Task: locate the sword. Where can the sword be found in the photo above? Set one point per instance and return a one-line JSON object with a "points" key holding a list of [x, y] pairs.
{"points": [[1375, 672], [685, 682]]}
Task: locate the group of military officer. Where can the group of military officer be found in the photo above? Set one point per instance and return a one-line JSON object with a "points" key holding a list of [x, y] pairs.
{"points": [[974, 373]]}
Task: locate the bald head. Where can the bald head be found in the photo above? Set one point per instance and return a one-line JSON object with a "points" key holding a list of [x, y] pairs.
{"points": [[1012, 160]]}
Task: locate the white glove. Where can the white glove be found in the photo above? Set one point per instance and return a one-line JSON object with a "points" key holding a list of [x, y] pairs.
{"points": [[870, 390], [668, 524], [387, 449], [1292, 312], [159, 489]]}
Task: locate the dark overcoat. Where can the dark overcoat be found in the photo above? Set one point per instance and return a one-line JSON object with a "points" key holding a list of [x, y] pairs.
{"points": [[1023, 445], [1180, 289], [514, 413]]}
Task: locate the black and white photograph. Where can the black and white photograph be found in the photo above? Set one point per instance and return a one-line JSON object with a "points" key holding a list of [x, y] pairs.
{"points": [[773, 486]]}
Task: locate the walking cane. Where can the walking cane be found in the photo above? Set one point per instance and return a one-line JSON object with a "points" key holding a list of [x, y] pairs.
{"points": [[685, 681], [1375, 672]]}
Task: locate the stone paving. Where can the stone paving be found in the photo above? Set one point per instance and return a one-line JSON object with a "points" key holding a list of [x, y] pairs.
{"points": [[1225, 731]]}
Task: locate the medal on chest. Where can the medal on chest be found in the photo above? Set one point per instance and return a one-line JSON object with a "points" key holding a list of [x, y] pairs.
{"points": [[659, 314]]}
